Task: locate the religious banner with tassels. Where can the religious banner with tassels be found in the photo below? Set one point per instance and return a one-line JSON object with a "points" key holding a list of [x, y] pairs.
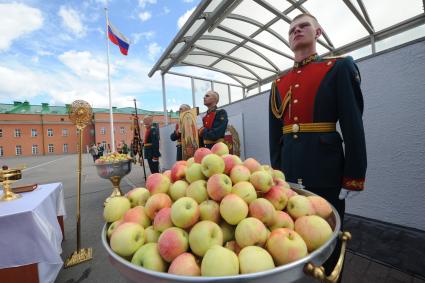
{"points": [[137, 144]]}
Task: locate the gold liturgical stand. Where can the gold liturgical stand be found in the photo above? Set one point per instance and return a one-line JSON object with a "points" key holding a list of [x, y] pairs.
{"points": [[80, 113]]}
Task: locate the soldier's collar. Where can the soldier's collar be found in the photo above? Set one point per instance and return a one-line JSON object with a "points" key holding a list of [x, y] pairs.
{"points": [[212, 109], [306, 61]]}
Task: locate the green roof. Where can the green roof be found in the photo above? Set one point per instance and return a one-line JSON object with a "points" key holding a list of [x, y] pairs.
{"points": [[26, 108]]}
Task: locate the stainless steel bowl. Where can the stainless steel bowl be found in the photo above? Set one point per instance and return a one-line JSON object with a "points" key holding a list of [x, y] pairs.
{"points": [[119, 169], [291, 272]]}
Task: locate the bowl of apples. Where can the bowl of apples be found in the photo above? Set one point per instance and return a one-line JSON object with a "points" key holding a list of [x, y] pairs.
{"points": [[113, 167], [216, 218], [113, 164]]}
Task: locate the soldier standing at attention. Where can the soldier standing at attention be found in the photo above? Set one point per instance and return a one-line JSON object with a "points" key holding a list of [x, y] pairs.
{"points": [[214, 122], [151, 144], [305, 105], [176, 135]]}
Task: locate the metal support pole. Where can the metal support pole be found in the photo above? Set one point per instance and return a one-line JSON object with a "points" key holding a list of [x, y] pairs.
{"points": [[164, 99], [192, 81], [228, 93]]}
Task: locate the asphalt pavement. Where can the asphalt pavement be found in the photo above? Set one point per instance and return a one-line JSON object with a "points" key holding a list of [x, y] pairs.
{"points": [[94, 190]]}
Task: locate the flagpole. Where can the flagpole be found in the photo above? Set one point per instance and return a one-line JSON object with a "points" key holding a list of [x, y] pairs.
{"points": [[111, 115]]}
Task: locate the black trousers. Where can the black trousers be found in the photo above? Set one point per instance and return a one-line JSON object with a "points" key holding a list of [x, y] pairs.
{"points": [[179, 153], [209, 146], [153, 166], [331, 195]]}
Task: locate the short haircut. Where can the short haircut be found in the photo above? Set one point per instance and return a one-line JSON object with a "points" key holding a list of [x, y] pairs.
{"points": [[216, 94], [184, 106], [306, 15]]}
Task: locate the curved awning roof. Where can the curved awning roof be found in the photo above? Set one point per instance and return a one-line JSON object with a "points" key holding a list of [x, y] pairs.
{"points": [[247, 39]]}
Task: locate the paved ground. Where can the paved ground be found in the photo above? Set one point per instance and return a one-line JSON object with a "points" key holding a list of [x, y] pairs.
{"points": [[371, 258]]}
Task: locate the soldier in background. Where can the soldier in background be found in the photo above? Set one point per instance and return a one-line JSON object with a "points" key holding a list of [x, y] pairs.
{"points": [[305, 105], [214, 122], [124, 148], [176, 135], [151, 144], [100, 150]]}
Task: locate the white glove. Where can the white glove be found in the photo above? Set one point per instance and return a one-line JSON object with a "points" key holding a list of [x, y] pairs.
{"points": [[347, 194]]}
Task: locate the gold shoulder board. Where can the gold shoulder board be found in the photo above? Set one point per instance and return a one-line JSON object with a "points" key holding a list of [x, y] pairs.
{"points": [[334, 57]]}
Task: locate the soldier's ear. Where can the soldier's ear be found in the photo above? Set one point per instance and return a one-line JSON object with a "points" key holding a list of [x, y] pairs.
{"points": [[318, 32]]}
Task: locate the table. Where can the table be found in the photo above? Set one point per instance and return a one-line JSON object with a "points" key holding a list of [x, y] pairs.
{"points": [[30, 233]]}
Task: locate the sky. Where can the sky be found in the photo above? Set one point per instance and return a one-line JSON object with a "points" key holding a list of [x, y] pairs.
{"points": [[55, 52]]}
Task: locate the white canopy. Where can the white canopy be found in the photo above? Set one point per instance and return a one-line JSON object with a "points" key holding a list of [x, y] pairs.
{"points": [[248, 41]]}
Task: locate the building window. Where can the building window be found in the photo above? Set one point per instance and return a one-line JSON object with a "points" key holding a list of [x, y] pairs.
{"points": [[50, 148], [102, 131], [1, 133], [17, 133], [18, 150], [1, 151], [64, 132], [34, 132], [65, 147], [34, 149], [50, 132], [122, 130]]}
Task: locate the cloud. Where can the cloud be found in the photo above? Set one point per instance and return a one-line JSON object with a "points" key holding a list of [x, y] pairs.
{"points": [[182, 20], [103, 2], [17, 20], [44, 53], [142, 35], [188, 1], [72, 21], [165, 10], [56, 84], [84, 64], [19, 82], [144, 16], [153, 50], [143, 3]]}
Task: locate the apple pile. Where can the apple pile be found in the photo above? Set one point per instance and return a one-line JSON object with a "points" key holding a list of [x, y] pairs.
{"points": [[112, 157], [214, 215]]}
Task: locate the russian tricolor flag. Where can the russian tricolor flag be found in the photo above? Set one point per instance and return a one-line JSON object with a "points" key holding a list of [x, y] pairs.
{"points": [[118, 39]]}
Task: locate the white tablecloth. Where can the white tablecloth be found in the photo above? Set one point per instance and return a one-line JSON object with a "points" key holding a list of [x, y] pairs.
{"points": [[30, 232]]}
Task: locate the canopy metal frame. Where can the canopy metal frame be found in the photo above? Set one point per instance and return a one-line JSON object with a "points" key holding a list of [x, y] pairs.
{"points": [[207, 24]]}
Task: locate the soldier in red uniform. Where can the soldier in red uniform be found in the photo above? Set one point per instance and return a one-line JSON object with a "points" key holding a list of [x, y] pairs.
{"points": [[305, 105], [176, 135], [214, 122], [151, 144]]}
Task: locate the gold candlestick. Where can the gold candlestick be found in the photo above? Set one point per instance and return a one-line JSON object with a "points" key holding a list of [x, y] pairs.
{"points": [[80, 113], [7, 177]]}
